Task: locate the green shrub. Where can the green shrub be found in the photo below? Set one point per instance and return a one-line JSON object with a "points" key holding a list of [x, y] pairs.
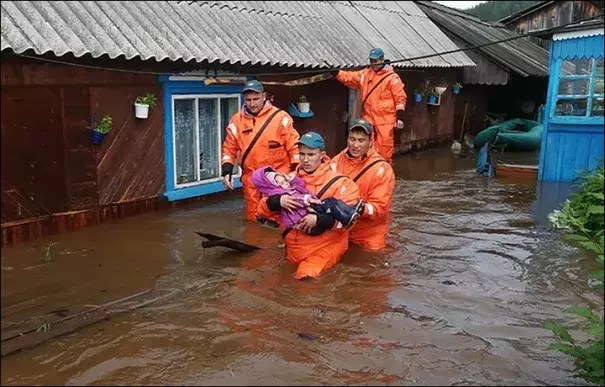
{"points": [[583, 216], [584, 211]]}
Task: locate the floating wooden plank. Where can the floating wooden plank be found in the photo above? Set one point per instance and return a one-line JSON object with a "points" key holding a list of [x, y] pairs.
{"points": [[32, 338], [215, 240], [517, 171]]}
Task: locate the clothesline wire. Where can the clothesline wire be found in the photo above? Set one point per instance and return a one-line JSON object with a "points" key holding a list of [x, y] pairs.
{"points": [[315, 71]]}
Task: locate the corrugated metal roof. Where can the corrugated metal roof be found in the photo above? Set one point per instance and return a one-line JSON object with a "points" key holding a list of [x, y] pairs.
{"points": [[485, 73], [297, 33], [520, 55]]}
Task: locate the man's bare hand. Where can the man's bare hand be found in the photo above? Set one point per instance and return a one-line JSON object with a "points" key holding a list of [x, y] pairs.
{"points": [[307, 223], [228, 182], [399, 124], [289, 204]]}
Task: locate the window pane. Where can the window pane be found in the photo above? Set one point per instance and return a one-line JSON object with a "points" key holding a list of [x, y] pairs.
{"points": [[571, 107], [229, 106], [598, 86], [597, 107], [573, 87], [208, 121], [184, 140], [576, 67], [599, 66]]}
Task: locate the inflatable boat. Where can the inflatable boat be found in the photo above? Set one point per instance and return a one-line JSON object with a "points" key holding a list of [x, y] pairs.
{"points": [[514, 135]]}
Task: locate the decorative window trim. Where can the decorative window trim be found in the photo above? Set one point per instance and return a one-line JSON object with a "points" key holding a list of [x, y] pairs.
{"points": [[179, 89], [578, 34], [589, 96]]}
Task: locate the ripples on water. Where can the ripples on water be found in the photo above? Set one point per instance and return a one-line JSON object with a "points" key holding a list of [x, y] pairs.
{"points": [[458, 298]]}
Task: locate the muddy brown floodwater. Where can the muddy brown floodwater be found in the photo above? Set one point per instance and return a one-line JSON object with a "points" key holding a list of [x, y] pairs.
{"points": [[459, 297]]}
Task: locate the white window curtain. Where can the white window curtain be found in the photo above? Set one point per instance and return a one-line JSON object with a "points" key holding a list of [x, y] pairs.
{"points": [[198, 133]]}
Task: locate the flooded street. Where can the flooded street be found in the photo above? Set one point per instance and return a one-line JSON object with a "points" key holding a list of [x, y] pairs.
{"points": [[459, 297]]}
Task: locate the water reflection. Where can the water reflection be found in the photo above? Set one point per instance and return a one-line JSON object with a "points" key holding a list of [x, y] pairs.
{"points": [[458, 297], [549, 196]]}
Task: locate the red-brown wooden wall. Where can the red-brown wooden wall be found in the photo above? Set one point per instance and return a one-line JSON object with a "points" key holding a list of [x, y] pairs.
{"points": [[54, 179]]}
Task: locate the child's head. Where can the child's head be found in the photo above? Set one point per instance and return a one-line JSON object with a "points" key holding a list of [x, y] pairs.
{"points": [[278, 179]]}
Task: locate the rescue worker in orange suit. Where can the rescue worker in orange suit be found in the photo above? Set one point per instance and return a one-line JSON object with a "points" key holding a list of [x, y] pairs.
{"points": [[383, 99], [314, 254], [376, 181], [263, 135]]}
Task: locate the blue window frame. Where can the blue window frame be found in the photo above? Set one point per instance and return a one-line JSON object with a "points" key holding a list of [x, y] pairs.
{"points": [[196, 116], [579, 91]]}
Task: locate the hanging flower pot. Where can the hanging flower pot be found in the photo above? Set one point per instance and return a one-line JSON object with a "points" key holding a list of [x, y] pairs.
{"points": [[141, 110], [142, 105], [96, 137], [302, 104], [421, 90], [456, 88], [97, 134], [432, 98]]}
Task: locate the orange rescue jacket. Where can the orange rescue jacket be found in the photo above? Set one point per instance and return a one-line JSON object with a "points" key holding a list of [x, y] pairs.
{"points": [[381, 102], [276, 146], [376, 181], [314, 254]]}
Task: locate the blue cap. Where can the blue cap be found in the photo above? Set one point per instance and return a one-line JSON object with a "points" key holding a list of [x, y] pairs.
{"points": [[366, 126], [253, 85], [376, 53], [313, 140]]}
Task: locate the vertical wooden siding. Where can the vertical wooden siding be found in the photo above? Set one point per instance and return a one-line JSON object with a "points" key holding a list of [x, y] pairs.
{"points": [[329, 105], [571, 144], [329, 100], [130, 162], [556, 14], [569, 149], [80, 165], [426, 124], [48, 161], [32, 144]]}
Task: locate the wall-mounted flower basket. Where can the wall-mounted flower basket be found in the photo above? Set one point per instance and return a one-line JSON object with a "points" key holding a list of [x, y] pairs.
{"points": [[96, 137], [435, 95], [456, 88], [421, 90], [432, 99], [142, 105], [294, 112], [301, 109], [302, 105], [98, 133]]}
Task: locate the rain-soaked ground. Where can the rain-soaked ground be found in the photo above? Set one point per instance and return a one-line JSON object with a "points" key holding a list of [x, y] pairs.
{"points": [[460, 296]]}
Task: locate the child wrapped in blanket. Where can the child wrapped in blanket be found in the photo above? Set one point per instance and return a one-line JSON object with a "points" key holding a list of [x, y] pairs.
{"points": [[269, 183]]}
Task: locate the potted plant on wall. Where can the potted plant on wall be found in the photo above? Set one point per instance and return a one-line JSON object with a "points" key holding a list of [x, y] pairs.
{"points": [[421, 90], [99, 131], [418, 93], [456, 88], [142, 105], [302, 104], [433, 95]]}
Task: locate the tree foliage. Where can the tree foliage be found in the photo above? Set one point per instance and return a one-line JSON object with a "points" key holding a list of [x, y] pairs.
{"points": [[496, 10]]}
